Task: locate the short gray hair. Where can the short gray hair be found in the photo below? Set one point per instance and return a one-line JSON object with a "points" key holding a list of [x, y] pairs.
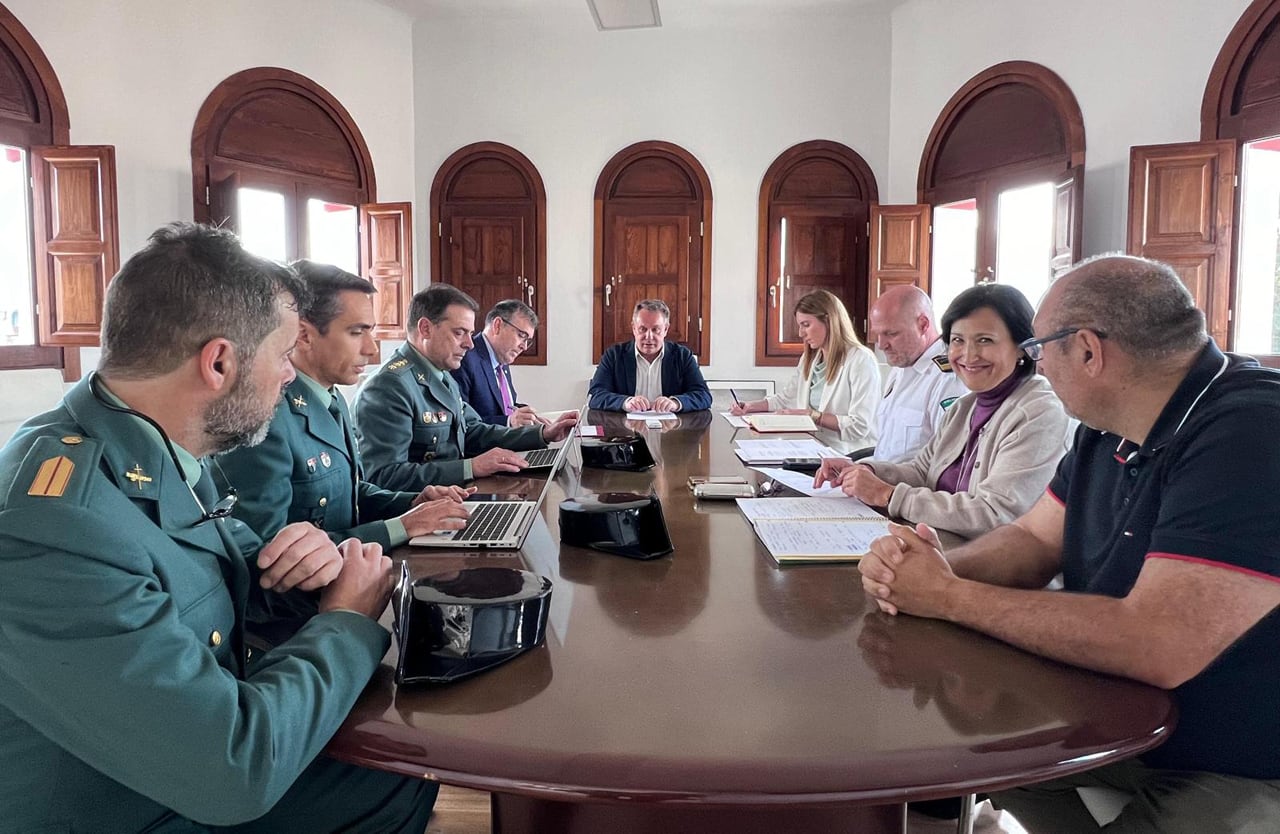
{"points": [[1140, 304], [511, 307], [653, 305], [189, 285]]}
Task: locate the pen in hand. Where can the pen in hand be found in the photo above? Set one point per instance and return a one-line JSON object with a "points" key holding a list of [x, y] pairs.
{"points": [[735, 397]]}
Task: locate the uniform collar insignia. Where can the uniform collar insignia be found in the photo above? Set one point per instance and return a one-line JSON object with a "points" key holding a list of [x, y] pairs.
{"points": [[943, 363], [299, 402]]}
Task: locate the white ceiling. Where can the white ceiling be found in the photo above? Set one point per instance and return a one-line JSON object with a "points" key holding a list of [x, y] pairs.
{"points": [[670, 10]]}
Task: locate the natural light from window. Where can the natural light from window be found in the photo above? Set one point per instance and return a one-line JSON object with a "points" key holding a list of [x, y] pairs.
{"points": [[955, 251], [1257, 320], [16, 280], [332, 234], [261, 218], [1024, 240]]}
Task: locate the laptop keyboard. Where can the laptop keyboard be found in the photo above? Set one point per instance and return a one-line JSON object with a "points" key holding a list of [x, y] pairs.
{"points": [[541, 457], [489, 521]]}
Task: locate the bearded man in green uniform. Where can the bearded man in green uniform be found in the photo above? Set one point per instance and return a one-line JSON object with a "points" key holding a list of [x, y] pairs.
{"points": [[414, 427], [127, 701]]}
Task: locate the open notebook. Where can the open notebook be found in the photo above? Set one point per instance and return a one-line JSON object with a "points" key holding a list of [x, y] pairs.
{"points": [[814, 530], [780, 422]]}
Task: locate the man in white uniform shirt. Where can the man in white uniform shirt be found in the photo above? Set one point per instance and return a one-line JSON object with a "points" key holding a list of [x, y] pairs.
{"points": [[921, 384]]}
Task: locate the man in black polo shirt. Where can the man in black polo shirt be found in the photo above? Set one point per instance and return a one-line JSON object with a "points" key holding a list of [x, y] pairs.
{"points": [[1163, 522]]}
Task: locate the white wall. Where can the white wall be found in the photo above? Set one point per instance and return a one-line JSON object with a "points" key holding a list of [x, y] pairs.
{"points": [[735, 93], [1138, 70], [135, 73]]}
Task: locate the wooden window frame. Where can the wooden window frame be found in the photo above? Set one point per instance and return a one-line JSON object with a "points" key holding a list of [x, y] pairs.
{"points": [[209, 167], [1223, 118], [774, 178], [441, 188], [697, 175], [52, 127], [985, 185]]}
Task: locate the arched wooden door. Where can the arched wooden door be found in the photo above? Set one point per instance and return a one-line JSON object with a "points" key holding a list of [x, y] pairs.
{"points": [[488, 211], [653, 240]]}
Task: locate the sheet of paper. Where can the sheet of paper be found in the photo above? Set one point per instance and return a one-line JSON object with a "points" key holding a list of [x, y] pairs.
{"points": [[842, 508], [799, 481], [555, 415], [651, 415], [777, 450], [798, 541], [781, 422], [734, 420]]}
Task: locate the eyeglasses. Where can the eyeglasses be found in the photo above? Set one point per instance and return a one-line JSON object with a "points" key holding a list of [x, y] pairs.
{"points": [[525, 338], [1034, 348]]}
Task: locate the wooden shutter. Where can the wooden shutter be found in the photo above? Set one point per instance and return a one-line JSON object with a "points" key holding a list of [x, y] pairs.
{"points": [[899, 248], [1181, 207], [77, 241], [386, 260], [1066, 222], [222, 202]]}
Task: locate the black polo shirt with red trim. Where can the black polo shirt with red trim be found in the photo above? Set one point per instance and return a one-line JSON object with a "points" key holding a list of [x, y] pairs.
{"points": [[1203, 487]]}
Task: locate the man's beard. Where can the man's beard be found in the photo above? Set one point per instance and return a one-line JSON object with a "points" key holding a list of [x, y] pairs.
{"points": [[241, 417]]}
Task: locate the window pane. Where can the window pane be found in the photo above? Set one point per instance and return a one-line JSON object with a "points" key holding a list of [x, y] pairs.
{"points": [[17, 306], [1256, 315], [1024, 239], [260, 215], [955, 251], [332, 236]]}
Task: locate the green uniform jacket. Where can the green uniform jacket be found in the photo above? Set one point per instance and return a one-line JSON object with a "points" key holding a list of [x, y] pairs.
{"points": [[305, 471], [123, 701], [414, 429]]}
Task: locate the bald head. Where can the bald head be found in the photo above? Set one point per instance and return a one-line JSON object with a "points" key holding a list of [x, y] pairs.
{"points": [[1140, 305], [903, 323]]}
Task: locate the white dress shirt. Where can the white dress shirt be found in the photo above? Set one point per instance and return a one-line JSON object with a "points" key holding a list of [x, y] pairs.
{"points": [[913, 405], [649, 375]]}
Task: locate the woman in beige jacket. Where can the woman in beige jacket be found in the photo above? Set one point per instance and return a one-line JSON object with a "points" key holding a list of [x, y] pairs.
{"points": [[837, 382], [997, 447]]}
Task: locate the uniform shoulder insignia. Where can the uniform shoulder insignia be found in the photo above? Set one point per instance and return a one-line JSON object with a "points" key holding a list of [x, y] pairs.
{"points": [[943, 363], [945, 404], [56, 468], [397, 365]]}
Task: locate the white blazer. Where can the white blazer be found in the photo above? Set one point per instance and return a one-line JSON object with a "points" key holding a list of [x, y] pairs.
{"points": [[852, 396]]}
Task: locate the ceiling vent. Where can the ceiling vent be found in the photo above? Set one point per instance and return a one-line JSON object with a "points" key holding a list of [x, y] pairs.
{"points": [[625, 14]]}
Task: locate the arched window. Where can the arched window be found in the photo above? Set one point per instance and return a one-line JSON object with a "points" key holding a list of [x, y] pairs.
{"points": [[814, 203], [1240, 123], [653, 240], [489, 231], [58, 239], [1003, 170], [280, 160]]}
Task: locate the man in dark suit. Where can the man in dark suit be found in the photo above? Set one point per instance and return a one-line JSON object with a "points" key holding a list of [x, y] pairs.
{"points": [[413, 427], [484, 377], [649, 373]]}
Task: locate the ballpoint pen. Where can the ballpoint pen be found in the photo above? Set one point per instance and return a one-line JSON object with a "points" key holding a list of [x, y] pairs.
{"points": [[735, 397]]}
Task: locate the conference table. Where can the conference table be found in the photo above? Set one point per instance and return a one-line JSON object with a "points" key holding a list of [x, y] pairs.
{"points": [[712, 691]]}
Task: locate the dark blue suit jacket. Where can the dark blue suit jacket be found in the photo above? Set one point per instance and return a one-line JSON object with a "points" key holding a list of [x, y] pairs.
{"points": [[615, 378], [479, 387]]}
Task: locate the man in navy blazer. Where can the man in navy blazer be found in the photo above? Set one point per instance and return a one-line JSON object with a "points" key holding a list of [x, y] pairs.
{"points": [[508, 330], [649, 373]]}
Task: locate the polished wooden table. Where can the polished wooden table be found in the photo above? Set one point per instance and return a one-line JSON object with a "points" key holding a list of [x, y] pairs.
{"points": [[712, 691]]}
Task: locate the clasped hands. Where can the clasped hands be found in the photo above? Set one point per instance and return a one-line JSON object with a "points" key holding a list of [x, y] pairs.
{"points": [[639, 403], [906, 571]]}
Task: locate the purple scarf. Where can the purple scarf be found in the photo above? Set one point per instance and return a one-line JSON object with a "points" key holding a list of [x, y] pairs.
{"points": [[955, 478]]}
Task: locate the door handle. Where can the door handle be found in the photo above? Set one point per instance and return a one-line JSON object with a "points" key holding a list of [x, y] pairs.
{"points": [[608, 291], [773, 296], [529, 289]]}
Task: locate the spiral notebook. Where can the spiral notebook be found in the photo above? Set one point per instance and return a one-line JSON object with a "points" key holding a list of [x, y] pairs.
{"points": [[814, 530]]}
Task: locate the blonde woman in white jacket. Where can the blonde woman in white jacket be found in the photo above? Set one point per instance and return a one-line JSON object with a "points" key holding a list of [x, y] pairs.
{"points": [[837, 381]]}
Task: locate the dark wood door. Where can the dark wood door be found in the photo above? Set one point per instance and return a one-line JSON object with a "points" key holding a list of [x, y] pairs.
{"points": [[1181, 200], [386, 261], [650, 253], [814, 248], [486, 254]]}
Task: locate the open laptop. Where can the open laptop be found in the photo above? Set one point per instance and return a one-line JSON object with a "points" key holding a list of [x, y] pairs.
{"points": [[499, 524]]}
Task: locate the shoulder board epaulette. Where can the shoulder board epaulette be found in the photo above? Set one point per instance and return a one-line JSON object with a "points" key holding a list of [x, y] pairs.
{"points": [[56, 468], [396, 365], [945, 404], [943, 363]]}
